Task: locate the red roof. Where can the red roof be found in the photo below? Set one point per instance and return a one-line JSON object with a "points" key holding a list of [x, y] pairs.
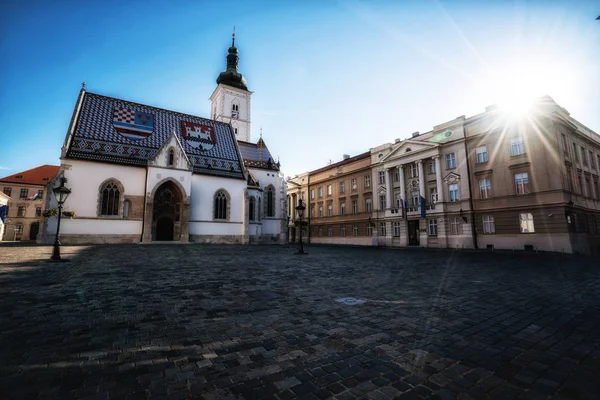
{"points": [[36, 176]]}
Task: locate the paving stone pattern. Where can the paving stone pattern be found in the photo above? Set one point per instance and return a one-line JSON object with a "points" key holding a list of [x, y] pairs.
{"points": [[233, 322]]}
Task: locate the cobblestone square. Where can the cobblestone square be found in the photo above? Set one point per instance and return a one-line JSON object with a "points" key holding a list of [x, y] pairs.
{"points": [[214, 322]]}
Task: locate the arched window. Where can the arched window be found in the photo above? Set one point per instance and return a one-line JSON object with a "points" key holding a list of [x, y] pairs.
{"points": [[270, 202], [126, 207], [220, 205], [251, 207], [235, 109], [110, 199], [171, 158], [407, 150]]}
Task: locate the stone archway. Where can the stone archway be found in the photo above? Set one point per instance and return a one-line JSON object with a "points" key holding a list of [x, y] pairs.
{"points": [[167, 213]]}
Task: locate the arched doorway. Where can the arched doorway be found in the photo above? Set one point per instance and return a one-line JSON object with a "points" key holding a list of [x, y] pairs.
{"points": [[33, 230], [166, 212]]}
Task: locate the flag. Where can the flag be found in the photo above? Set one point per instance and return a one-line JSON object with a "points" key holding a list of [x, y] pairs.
{"points": [[3, 213], [423, 207], [198, 136], [133, 124], [33, 197], [403, 206]]}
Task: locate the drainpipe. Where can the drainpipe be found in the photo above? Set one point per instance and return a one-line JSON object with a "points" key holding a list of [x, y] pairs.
{"points": [[144, 210], [473, 230]]}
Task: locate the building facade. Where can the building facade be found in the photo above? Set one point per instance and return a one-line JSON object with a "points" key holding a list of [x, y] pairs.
{"points": [[140, 173], [297, 189], [27, 191], [4, 199]]}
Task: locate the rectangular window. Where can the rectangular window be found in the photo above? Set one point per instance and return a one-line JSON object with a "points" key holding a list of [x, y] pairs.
{"points": [[368, 205], [396, 228], [396, 175], [575, 150], [320, 211], [40, 194], [454, 226], [354, 206], [21, 211], [592, 161], [413, 171], [353, 184], [450, 161], [415, 199], [526, 223], [580, 182], [329, 231], [583, 156], [488, 224], [565, 145], [329, 210], [355, 230], [320, 192], [329, 190], [382, 229], [19, 229], [398, 205], [381, 177], [382, 205], [517, 146], [453, 192], [369, 230], [482, 155], [367, 181], [312, 211], [342, 230], [570, 181], [433, 227], [7, 191], [588, 185], [597, 186], [522, 183], [312, 193], [431, 168], [24, 193], [342, 187], [38, 211], [342, 208], [485, 188], [433, 195]]}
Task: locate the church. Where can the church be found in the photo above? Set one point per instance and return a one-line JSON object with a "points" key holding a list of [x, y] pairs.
{"points": [[141, 174]]}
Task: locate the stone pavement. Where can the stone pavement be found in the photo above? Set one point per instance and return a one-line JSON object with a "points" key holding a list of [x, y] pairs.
{"points": [[213, 322]]}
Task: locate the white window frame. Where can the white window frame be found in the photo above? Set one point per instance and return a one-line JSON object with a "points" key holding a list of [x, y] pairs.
{"points": [[433, 195], [432, 167], [453, 188], [329, 231], [517, 146], [450, 161], [381, 177], [396, 228], [455, 226], [342, 230], [343, 208], [367, 180], [522, 180], [383, 228], [354, 206], [481, 154], [369, 230], [432, 227], [382, 202], [321, 191], [485, 188], [353, 185], [312, 193], [368, 205], [355, 230], [329, 190], [526, 224], [320, 211], [329, 210], [342, 187], [489, 226], [414, 170]]}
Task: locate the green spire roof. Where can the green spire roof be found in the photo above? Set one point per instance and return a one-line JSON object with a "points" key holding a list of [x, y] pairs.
{"points": [[231, 76]]}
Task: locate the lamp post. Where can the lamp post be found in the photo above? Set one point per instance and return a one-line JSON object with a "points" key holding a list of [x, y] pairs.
{"points": [[300, 210], [61, 193]]}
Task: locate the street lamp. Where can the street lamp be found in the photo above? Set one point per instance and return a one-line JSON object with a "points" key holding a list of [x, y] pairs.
{"points": [[61, 193], [300, 210]]}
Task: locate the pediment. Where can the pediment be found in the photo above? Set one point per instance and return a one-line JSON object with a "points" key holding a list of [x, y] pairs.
{"points": [[452, 178], [409, 146], [381, 190], [180, 159]]}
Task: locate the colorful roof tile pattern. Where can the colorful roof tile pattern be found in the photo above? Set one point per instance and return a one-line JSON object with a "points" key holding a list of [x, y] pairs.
{"points": [[257, 155], [96, 137], [36, 176]]}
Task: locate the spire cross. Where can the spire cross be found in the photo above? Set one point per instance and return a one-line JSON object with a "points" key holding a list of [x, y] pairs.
{"points": [[233, 37]]}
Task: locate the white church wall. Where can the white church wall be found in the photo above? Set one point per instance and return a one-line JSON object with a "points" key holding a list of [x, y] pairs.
{"points": [[158, 175], [272, 225], [80, 226]]}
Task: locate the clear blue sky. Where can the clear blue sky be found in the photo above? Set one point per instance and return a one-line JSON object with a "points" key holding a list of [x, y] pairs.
{"points": [[329, 77]]}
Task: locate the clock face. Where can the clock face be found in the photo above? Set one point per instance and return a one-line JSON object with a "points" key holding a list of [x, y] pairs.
{"points": [[234, 114]]}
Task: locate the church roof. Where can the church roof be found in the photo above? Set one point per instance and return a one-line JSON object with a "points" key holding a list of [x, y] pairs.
{"points": [[122, 132], [36, 176], [257, 155]]}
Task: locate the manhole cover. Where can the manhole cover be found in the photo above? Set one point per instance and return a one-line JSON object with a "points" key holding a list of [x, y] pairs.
{"points": [[349, 301]]}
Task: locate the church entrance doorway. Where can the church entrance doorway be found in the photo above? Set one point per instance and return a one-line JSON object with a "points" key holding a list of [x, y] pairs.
{"points": [[166, 212], [33, 230], [413, 233]]}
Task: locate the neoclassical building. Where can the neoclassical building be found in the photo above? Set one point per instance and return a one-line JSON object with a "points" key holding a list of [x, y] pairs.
{"points": [[140, 173]]}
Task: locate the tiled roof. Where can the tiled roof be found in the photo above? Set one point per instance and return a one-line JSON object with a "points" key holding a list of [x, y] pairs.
{"points": [[36, 176], [96, 138], [257, 155], [343, 162]]}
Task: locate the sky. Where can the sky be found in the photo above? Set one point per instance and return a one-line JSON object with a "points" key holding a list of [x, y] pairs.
{"points": [[329, 77]]}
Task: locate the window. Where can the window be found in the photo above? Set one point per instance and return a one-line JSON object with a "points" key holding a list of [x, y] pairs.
{"points": [[320, 192], [320, 211], [369, 230], [320, 231], [455, 226], [342, 187], [270, 202], [40, 194], [522, 183], [329, 190], [354, 230], [126, 206], [382, 204], [433, 195], [488, 224], [312, 211], [450, 161], [588, 186], [597, 189], [342, 208], [24, 193], [396, 228], [415, 199], [517, 146], [382, 177], [580, 182], [235, 131], [38, 211], [171, 158], [251, 207], [220, 211], [342, 230], [433, 227], [354, 206], [329, 210], [396, 176], [398, 202], [21, 211], [7, 191], [368, 205], [431, 167], [414, 170], [583, 156], [19, 229], [482, 155], [382, 228], [485, 188], [312, 193], [353, 184], [329, 231], [453, 192], [110, 199], [575, 151], [235, 110], [526, 223], [592, 161], [565, 145], [367, 181], [570, 180]]}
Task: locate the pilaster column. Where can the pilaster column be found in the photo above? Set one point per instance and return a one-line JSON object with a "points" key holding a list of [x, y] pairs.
{"points": [[402, 186], [421, 180], [438, 179], [388, 192]]}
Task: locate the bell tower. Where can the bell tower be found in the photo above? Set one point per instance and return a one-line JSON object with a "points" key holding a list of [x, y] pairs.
{"points": [[231, 98]]}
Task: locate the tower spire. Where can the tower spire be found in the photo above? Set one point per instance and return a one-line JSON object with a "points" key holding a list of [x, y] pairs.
{"points": [[231, 75]]}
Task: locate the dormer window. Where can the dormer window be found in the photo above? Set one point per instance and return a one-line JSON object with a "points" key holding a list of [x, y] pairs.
{"points": [[235, 110], [171, 158]]}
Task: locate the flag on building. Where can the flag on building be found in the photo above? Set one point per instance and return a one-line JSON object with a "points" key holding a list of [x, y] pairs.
{"points": [[33, 196], [403, 205], [423, 207], [133, 124], [3, 213]]}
